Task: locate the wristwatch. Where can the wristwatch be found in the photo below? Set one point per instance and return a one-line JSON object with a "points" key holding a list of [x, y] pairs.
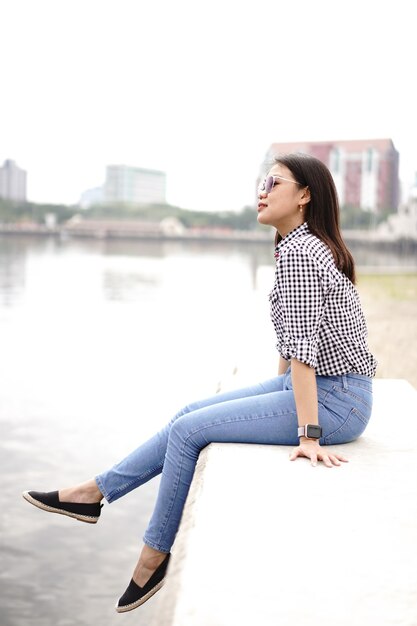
{"points": [[310, 431]]}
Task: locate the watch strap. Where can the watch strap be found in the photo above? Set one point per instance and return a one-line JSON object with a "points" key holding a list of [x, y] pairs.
{"points": [[303, 431]]}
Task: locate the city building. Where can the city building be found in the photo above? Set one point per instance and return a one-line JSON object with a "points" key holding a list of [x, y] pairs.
{"points": [[12, 181], [402, 225], [91, 197], [134, 185], [365, 171]]}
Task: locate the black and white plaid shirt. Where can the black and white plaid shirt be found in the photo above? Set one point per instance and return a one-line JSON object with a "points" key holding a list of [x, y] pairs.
{"points": [[316, 310]]}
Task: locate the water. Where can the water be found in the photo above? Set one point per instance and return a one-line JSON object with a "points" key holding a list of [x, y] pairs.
{"points": [[101, 342]]}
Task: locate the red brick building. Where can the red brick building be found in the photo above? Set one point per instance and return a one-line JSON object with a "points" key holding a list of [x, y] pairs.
{"points": [[365, 171]]}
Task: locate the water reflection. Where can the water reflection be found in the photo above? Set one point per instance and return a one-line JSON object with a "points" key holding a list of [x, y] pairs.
{"points": [[102, 341], [371, 256], [12, 272]]}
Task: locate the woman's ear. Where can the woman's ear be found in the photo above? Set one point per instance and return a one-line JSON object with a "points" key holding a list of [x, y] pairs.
{"points": [[306, 195]]}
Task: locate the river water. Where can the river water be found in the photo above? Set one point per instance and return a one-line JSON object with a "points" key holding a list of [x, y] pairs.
{"points": [[101, 342]]}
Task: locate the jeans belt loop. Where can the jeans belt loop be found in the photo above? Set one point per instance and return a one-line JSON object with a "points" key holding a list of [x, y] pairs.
{"points": [[345, 381]]}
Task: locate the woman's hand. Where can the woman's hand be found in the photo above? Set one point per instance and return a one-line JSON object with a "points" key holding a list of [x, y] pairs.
{"points": [[311, 449]]}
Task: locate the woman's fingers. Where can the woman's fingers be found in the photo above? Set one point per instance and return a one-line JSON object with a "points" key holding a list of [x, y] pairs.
{"points": [[342, 458], [313, 458], [334, 459], [316, 454], [322, 456], [296, 452]]}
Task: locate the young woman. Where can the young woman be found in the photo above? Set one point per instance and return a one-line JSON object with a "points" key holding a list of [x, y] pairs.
{"points": [[322, 394]]}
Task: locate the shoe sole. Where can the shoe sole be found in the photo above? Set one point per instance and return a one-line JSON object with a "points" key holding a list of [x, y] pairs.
{"points": [[142, 600], [50, 509]]}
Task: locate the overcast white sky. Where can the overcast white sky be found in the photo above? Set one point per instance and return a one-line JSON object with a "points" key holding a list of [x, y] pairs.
{"points": [[198, 89]]}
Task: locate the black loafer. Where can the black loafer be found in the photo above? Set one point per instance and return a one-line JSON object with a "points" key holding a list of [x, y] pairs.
{"points": [[134, 595], [49, 501]]}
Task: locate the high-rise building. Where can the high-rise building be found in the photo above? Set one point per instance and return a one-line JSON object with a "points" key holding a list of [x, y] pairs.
{"points": [[12, 181], [91, 197], [134, 185], [365, 171]]}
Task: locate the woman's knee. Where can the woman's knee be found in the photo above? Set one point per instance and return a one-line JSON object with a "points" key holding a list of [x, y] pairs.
{"points": [[181, 427], [184, 411], [191, 408], [185, 433]]}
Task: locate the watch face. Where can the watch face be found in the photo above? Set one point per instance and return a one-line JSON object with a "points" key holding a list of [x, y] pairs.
{"points": [[313, 431]]}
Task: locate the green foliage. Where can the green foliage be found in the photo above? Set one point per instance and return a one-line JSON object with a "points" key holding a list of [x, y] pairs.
{"points": [[19, 212], [15, 212], [352, 217], [243, 220]]}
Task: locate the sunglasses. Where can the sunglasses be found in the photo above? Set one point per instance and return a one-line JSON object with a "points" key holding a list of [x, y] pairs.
{"points": [[270, 181]]}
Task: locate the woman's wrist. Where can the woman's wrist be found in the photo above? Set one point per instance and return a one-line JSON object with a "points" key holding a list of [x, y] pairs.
{"points": [[308, 439]]}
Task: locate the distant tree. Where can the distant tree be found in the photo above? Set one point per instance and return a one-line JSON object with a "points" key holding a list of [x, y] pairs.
{"points": [[17, 212], [352, 217]]}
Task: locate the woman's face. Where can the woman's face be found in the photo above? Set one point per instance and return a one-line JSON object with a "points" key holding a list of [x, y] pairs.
{"points": [[281, 206]]}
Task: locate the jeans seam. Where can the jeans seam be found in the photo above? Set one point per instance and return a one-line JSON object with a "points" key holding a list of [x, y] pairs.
{"points": [[353, 411], [360, 416], [155, 546], [240, 419], [355, 384], [331, 435], [171, 502], [177, 479], [353, 395], [102, 488], [138, 480]]}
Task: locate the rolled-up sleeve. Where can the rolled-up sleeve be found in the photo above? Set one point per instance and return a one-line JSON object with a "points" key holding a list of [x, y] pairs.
{"points": [[302, 297]]}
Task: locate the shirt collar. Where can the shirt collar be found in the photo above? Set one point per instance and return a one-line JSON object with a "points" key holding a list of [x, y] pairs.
{"points": [[300, 230]]}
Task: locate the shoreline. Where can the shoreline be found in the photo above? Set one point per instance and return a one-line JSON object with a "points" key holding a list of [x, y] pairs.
{"points": [[119, 230]]}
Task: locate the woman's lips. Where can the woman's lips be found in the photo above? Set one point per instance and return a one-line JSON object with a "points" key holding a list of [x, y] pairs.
{"points": [[261, 206]]}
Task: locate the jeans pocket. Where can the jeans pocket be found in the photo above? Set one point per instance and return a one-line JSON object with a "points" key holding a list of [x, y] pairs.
{"points": [[352, 427]]}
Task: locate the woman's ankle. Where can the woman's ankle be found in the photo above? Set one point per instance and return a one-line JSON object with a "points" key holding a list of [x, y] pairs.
{"points": [[149, 561], [84, 493], [150, 555]]}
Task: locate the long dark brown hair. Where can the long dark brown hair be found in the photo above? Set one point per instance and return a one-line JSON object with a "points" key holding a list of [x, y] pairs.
{"points": [[322, 212]]}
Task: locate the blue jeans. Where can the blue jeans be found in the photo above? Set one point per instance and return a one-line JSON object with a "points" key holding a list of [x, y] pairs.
{"points": [[264, 413]]}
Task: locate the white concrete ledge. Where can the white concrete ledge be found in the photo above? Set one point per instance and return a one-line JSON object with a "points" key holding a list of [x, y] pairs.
{"points": [[271, 543]]}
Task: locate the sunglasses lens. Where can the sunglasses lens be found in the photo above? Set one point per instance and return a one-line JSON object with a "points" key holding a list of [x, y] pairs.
{"points": [[269, 183]]}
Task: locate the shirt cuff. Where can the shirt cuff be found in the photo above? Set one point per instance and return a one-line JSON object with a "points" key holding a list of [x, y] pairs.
{"points": [[304, 350]]}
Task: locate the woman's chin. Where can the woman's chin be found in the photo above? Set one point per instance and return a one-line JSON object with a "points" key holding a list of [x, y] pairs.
{"points": [[262, 219]]}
